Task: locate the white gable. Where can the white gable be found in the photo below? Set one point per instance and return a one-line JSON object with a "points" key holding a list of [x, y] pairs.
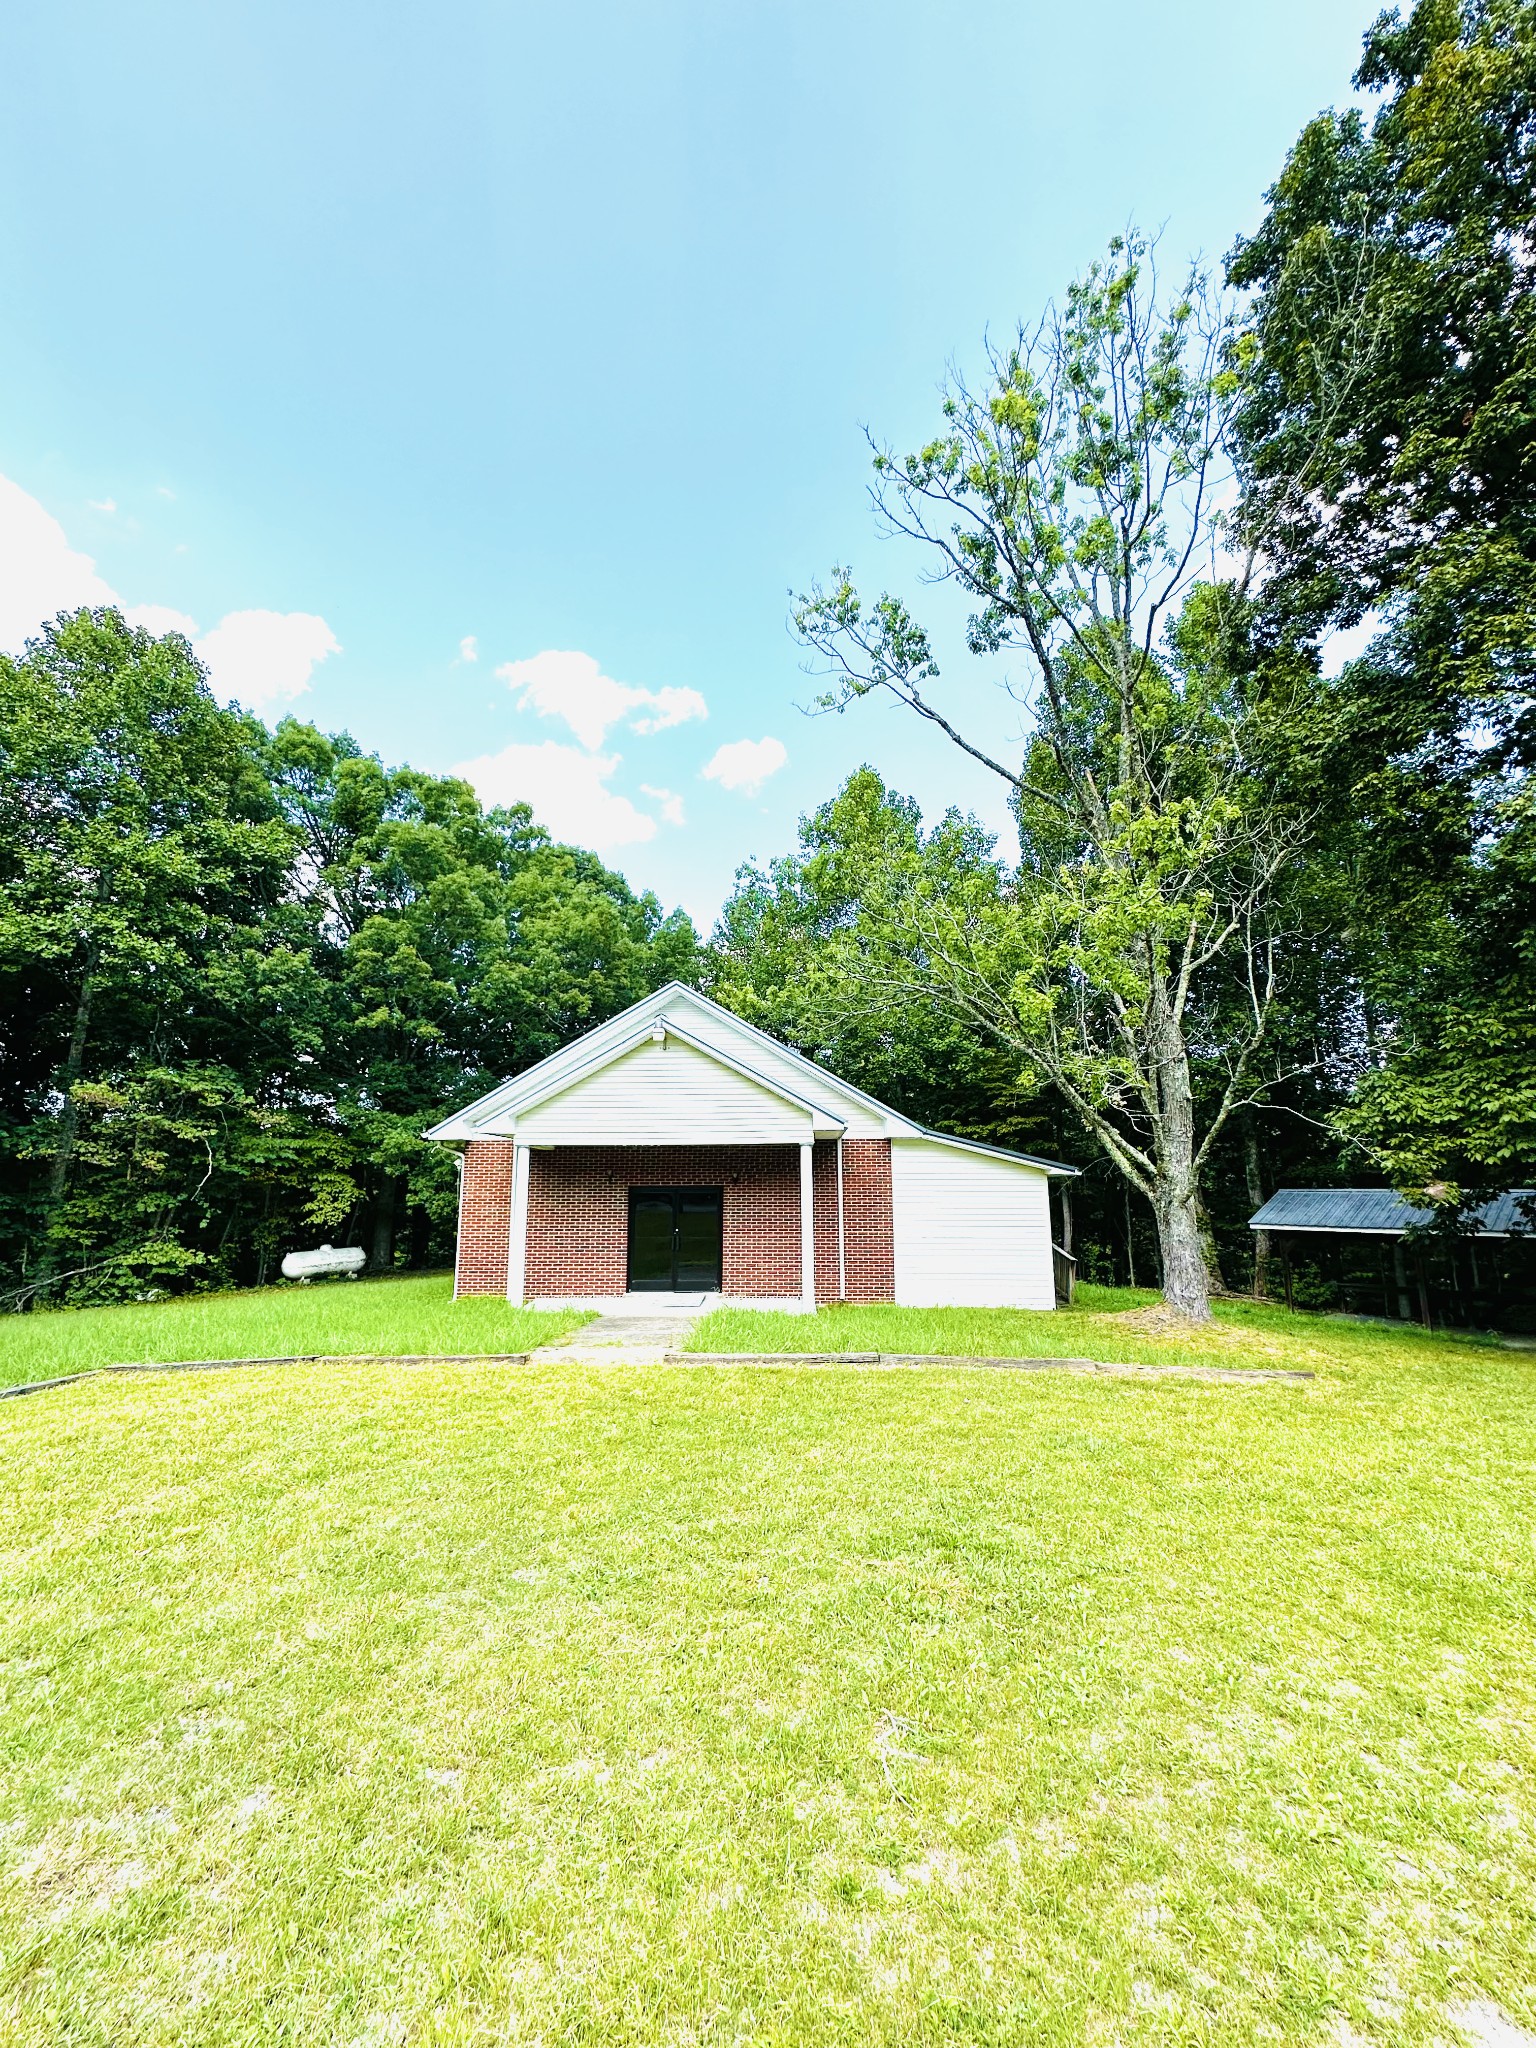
{"points": [[665, 1094], [727, 1073], [834, 1104]]}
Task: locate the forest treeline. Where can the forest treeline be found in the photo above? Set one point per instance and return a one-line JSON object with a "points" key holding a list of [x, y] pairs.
{"points": [[241, 971], [1261, 922]]}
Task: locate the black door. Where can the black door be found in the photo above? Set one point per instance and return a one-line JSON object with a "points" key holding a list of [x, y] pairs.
{"points": [[674, 1240]]}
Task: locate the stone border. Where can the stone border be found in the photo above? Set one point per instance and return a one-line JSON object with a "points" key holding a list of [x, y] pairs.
{"points": [[1223, 1374], [1227, 1375], [96, 1372]]}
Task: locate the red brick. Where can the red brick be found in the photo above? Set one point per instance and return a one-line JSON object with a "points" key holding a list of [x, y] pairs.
{"points": [[485, 1217], [578, 1215]]}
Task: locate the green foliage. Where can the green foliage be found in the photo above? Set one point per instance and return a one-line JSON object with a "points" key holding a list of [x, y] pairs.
{"points": [[1129, 959], [241, 972], [1388, 429]]}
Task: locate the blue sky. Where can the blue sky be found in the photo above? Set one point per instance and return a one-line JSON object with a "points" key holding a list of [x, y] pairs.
{"points": [[366, 339]]}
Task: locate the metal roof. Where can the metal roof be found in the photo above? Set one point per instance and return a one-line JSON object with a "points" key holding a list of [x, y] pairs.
{"points": [[1383, 1212]]}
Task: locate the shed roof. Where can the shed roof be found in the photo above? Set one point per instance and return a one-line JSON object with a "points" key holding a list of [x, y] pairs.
{"points": [[1382, 1212]]}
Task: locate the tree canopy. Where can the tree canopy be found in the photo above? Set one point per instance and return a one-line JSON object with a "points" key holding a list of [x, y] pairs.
{"points": [[241, 972]]}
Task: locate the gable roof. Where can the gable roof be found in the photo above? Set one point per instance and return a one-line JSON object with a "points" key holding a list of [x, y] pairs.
{"points": [[1382, 1212], [830, 1103]]}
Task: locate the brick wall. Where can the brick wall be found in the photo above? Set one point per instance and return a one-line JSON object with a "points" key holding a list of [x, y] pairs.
{"points": [[869, 1247], [485, 1216], [578, 1215]]}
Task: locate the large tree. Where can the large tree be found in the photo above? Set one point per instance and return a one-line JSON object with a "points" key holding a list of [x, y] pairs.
{"points": [[1074, 499], [138, 841], [1388, 436], [463, 945]]}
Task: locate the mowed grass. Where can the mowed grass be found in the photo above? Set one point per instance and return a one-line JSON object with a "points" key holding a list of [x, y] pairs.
{"points": [[1104, 1323], [395, 1317], [472, 1704]]}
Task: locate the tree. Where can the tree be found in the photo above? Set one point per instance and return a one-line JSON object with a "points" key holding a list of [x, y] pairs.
{"points": [[1388, 456], [463, 945], [1074, 501], [240, 972], [137, 835], [779, 959]]}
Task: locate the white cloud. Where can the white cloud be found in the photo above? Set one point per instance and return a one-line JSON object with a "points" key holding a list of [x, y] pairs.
{"points": [[571, 686], [671, 804], [567, 790], [671, 706], [469, 648], [40, 573], [260, 658], [160, 618], [102, 504], [745, 765]]}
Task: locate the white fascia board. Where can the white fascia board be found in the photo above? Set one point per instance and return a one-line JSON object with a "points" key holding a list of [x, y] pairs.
{"points": [[1049, 1167], [618, 1032]]}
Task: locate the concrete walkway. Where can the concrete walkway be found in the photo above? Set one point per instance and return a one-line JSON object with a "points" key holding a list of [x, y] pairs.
{"points": [[627, 1336]]}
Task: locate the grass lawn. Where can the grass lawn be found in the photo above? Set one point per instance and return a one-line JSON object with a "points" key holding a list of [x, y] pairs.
{"points": [[1105, 1323], [412, 1314], [465, 1705]]}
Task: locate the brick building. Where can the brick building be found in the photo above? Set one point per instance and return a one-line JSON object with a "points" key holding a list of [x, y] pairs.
{"points": [[679, 1152]]}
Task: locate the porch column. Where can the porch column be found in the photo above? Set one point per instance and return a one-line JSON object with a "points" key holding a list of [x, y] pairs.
{"points": [[517, 1226], [807, 1231]]}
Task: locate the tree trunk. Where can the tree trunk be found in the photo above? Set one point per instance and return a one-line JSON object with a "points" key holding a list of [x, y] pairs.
{"points": [[1186, 1284], [383, 1256], [1175, 1197], [1130, 1247], [69, 1115], [1256, 1195]]}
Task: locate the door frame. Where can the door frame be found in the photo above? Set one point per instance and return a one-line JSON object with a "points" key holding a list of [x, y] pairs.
{"points": [[650, 1192]]}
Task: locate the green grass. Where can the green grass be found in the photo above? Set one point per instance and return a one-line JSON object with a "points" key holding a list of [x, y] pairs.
{"points": [[1102, 1324], [463, 1705], [415, 1313]]}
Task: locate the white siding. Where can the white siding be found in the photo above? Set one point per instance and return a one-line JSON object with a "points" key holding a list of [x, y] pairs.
{"points": [[970, 1231], [664, 1095], [752, 1048]]}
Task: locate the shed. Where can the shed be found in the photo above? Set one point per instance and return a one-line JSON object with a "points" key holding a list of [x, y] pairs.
{"points": [[679, 1153], [1383, 1255]]}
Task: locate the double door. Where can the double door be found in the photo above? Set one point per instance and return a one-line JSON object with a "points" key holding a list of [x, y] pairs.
{"points": [[674, 1240]]}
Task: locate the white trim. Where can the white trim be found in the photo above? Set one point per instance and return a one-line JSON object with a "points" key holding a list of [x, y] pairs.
{"points": [[625, 1304], [632, 1026], [458, 1228], [842, 1239], [807, 1227], [604, 1042], [517, 1227]]}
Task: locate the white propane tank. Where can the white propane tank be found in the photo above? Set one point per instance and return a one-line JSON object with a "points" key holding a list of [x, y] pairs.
{"points": [[349, 1259]]}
